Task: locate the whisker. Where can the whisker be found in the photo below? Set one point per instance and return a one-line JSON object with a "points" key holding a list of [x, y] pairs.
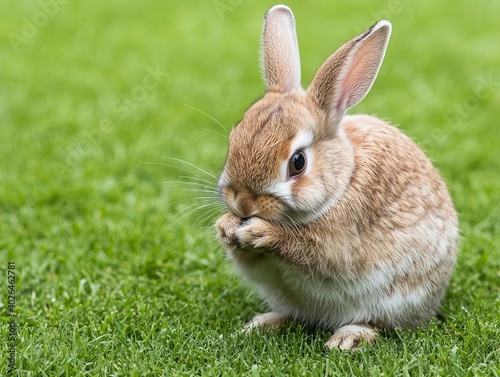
{"points": [[193, 189], [291, 227], [199, 179], [168, 165], [192, 165], [209, 200], [204, 207], [204, 113], [215, 132], [212, 198], [197, 190], [187, 213], [183, 169], [195, 184], [204, 217], [171, 204]]}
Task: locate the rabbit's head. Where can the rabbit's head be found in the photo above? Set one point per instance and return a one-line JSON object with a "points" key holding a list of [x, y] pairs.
{"points": [[289, 159]]}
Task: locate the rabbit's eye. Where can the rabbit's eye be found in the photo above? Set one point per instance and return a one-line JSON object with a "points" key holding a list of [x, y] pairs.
{"points": [[297, 164]]}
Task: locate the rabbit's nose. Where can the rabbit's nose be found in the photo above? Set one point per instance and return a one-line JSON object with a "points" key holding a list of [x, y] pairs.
{"points": [[244, 205], [241, 203]]}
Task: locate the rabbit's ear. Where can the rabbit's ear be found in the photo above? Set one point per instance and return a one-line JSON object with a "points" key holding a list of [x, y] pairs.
{"points": [[345, 77], [280, 51]]}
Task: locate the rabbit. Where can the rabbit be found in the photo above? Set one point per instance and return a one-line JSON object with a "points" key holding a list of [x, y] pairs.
{"points": [[340, 221]]}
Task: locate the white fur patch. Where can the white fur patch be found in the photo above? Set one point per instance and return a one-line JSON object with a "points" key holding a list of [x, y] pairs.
{"points": [[330, 303], [301, 141], [223, 180], [283, 188]]}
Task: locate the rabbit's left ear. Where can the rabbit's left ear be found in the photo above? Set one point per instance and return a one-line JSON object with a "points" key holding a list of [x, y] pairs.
{"points": [[280, 51], [346, 77]]}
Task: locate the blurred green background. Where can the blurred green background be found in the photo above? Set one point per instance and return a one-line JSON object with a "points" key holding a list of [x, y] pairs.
{"points": [[116, 276]]}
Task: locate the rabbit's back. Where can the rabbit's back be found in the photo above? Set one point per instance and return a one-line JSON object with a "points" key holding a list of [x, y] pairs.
{"points": [[404, 215]]}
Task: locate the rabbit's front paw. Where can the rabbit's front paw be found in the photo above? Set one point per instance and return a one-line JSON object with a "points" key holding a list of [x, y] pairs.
{"points": [[226, 227], [257, 233]]}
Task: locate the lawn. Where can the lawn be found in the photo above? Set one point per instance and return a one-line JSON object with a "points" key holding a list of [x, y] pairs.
{"points": [[118, 270]]}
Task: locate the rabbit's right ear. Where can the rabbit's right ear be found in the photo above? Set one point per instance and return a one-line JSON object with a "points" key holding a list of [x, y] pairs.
{"points": [[280, 51], [346, 77]]}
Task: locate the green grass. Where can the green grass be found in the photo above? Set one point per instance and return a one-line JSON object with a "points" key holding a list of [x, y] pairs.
{"points": [[112, 280]]}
